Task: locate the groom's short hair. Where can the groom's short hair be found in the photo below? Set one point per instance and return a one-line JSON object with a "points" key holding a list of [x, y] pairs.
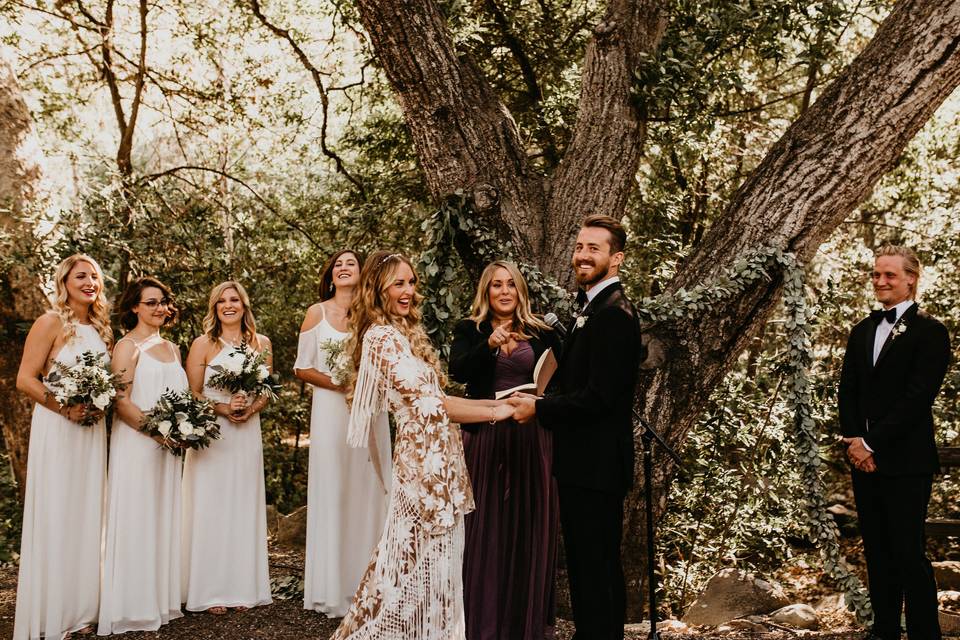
{"points": [[618, 235]]}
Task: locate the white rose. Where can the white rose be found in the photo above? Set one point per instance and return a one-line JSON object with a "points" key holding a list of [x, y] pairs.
{"points": [[164, 427], [234, 362], [101, 401], [185, 428], [263, 373]]}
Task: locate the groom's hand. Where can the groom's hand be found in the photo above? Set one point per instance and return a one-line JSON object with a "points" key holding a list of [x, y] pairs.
{"points": [[524, 406], [859, 455]]}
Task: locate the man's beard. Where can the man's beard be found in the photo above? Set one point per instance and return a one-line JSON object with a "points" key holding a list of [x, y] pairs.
{"points": [[594, 279]]}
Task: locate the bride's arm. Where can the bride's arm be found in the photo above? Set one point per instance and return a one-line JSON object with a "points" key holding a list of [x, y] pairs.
{"points": [[469, 411]]}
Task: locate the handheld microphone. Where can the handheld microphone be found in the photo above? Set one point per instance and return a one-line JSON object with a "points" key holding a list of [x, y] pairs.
{"points": [[555, 324]]}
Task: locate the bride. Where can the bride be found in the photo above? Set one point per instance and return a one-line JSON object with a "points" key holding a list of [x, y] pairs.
{"points": [[413, 586]]}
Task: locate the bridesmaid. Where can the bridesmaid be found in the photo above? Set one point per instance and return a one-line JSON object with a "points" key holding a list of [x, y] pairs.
{"points": [[511, 537], [59, 584], [141, 563], [224, 502], [346, 498]]}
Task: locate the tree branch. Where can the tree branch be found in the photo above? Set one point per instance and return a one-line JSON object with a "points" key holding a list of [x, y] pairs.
{"points": [[598, 170], [173, 171], [317, 81], [465, 137]]}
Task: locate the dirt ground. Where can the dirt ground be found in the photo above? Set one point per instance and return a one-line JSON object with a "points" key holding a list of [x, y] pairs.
{"points": [[287, 620]]}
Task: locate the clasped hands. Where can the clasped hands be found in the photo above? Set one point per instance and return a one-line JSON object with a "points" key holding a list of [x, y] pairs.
{"points": [[524, 406], [859, 456]]}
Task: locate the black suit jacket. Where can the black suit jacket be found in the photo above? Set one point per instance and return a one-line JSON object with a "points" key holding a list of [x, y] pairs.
{"points": [[472, 362], [896, 395], [589, 405]]}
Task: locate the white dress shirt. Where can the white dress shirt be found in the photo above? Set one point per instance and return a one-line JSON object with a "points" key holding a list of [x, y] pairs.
{"points": [[885, 327], [600, 286]]}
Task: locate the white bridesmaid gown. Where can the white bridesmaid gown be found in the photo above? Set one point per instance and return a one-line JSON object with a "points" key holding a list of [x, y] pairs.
{"points": [[59, 585], [224, 516], [141, 560], [346, 498]]}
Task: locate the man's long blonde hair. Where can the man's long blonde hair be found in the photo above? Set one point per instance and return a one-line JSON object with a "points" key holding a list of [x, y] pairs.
{"points": [[370, 306], [99, 313], [524, 321]]}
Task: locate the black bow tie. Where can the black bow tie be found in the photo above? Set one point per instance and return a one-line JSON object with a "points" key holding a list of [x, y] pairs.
{"points": [[581, 298], [879, 315]]}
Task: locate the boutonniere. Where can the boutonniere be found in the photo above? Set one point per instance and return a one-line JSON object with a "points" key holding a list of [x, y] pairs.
{"points": [[581, 320], [898, 328]]}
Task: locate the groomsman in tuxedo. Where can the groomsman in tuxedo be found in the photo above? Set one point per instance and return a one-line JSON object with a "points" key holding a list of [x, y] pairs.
{"points": [[588, 406], [892, 371]]}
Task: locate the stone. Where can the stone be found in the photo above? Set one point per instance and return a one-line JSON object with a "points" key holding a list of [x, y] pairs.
{"points": [[800, 616], [949, 623], [672, 626], [292, 529], [948, 575], [845, 518], [732, 593], [949, 600]]}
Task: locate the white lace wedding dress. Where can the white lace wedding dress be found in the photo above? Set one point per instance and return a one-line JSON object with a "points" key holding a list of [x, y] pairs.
{"points": [[59, 586], [413, 587], [346, 498]]}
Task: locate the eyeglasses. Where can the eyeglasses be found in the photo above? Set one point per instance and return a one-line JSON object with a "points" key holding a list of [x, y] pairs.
{"points": [[153, 304]]}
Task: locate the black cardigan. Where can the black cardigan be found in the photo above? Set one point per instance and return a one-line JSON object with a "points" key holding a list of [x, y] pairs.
{"points": [[472, 361]]}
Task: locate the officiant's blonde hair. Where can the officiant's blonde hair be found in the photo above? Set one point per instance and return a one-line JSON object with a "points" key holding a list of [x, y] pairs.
{"points": [[524, 321], [370, 306], [911, 263]]}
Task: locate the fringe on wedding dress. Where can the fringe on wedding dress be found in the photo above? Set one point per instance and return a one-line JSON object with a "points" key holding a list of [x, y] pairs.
{"points": [[370, 391], [412, 589]]}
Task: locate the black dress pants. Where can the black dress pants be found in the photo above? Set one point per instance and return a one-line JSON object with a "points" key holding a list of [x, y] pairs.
{"points": [[892, 511], [592, 523]]}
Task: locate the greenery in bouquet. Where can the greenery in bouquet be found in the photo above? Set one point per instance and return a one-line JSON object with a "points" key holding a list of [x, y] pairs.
{"points": [[336, 360], [181, 421], [245, 371], [89, 381]]}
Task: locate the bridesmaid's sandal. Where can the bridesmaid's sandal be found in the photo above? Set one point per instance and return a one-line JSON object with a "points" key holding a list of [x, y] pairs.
{"points": [[240, 608], [87, 630], [217, 611]]}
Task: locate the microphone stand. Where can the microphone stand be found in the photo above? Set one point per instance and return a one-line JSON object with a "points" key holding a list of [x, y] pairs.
{"points": [[647, 437]]}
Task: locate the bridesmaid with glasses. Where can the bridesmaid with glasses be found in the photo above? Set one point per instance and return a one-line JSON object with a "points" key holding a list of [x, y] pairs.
{"points": [[140, 590]]}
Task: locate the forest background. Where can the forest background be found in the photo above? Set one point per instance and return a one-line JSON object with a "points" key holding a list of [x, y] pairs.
{"points": [[201, 141]]}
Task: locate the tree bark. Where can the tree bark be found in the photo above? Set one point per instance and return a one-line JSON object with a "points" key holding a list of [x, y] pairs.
{"points": [[21, 300], [825, 165]]}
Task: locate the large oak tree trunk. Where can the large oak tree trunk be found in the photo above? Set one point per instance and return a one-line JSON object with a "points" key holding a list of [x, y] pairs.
{"points": [[818, 173], [21, 300]]}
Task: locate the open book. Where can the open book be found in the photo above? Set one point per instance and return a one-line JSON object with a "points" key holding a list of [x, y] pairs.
{"points": [[542, 372]]}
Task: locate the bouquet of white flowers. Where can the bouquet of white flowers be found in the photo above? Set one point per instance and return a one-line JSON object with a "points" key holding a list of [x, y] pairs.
{"points": [[245, 371], [89, 382], [336, 359], [182, 422]]}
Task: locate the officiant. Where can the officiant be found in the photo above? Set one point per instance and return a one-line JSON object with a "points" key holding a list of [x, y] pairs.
{"points": [[511, 538]]}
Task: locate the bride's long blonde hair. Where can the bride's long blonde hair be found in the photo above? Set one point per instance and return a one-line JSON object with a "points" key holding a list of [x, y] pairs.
{"points": [[99, 314], [370, 306]]}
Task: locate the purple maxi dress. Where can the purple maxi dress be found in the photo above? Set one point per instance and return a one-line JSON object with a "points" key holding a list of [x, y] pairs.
{"points": [[511, 538]]}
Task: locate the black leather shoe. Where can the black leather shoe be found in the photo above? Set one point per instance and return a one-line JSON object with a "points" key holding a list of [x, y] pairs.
{"points": [[873, 635]]}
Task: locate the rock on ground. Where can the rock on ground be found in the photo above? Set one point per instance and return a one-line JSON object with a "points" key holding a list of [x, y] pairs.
{"points": [[801, 616], [947, 574], [732, 594]]}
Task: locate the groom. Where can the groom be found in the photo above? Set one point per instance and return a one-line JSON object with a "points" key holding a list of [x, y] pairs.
{"points": [[589, 409], [892, 370]]}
